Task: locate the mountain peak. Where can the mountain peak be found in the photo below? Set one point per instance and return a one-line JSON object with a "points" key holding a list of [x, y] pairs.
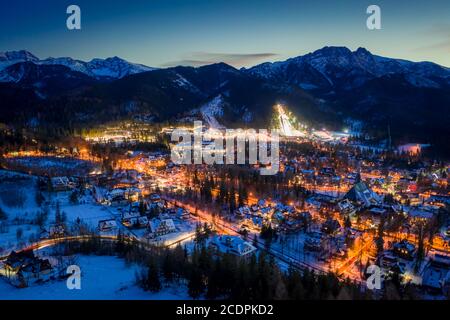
{"points": [[115, 58], [220, 65], [362, 51], [333, 51], [21, 55]]}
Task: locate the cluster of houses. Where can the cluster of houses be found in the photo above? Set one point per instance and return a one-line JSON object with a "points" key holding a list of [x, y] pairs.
{"points": [[150, 213], [364, 204], [53, 231], [59, 183], [283, 217], [361, 205], [434, 276], [327, 239]]}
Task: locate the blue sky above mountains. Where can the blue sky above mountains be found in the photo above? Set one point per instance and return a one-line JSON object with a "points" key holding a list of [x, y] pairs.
{"points": [[242, 33]]}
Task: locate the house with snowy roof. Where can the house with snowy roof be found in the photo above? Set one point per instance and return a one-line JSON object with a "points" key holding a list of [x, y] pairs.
{"points": [[243, 211], [57, 230], [436, 275], [117, 197], [107, 225], [60, 184], [231, 245], [313, 241], [182, 213], [154, 197], [346, 207], [160, 227], [262, 203], [404, 249], [23, 268], [418, 214], [362, 194]]}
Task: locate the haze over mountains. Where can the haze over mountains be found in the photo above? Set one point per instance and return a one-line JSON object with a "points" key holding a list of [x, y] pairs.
{"points": [[328, 86]]}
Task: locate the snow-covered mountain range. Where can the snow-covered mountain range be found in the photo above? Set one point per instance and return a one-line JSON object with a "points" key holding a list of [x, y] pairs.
{"points": [[332, 68], [327, 86], [326, 69], [100, 69]]}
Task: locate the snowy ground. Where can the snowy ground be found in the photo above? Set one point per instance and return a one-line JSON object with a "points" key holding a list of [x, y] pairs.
{"points": [[9, 240], [102, 277], [17, 200], [23, 216], [17, 194], [105, 278], [86, 210]]}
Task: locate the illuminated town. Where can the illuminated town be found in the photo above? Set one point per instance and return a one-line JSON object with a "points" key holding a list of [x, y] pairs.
{"points": [[335, 207], [225, 158]]}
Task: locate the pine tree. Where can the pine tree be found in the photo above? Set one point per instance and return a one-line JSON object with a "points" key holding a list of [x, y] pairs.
{"points": [[267, 243], [141, 207], [347, 222], [222, 193], [168, 267], [39, 198], [214, 280], [199, 235], [179, 261], [255, 241], [263, 290], [242, 287], [420, 248], [153, 282], [295, 287], [3, 215], [49, 185], [205, 260], [120, 243], [58, 217], [243, 196], [379, 241], [196, 286], [232, 203], [74, 197], [277, 283]]}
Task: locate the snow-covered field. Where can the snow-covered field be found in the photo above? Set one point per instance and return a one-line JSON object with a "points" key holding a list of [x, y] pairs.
{"points": [[17, 200], [17, 194], [102, 278], [86, 210], [9, 240]]}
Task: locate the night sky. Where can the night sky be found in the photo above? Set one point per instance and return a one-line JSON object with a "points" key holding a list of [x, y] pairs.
{"points": [[243, 33]]}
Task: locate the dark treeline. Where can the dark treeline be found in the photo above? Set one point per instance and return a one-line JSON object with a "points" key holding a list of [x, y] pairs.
{"points": [[224, 276]]}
